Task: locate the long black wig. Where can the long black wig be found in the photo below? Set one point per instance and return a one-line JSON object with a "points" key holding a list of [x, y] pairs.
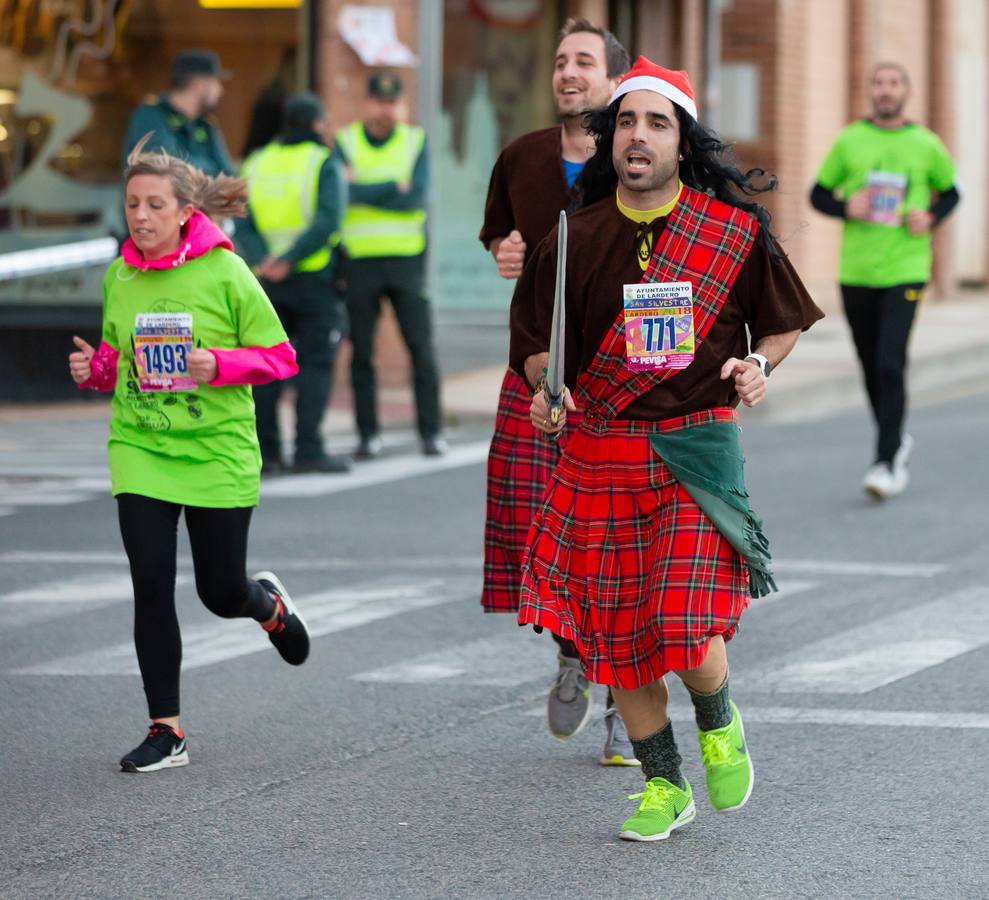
{"points": [[708, 165]]}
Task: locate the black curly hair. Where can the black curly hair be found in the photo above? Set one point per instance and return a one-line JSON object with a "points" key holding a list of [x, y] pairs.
{"points": [[708, 165]]}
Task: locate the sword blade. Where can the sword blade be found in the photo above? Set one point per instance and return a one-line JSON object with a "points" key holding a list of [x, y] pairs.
{"points": [[557, 340]]}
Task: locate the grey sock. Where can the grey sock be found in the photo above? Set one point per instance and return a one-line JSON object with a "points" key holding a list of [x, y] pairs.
{"points": [[659, 757], [712, 710]]}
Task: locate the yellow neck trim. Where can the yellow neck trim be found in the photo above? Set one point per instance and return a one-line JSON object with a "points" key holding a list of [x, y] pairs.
{"points": [[647, 215]]}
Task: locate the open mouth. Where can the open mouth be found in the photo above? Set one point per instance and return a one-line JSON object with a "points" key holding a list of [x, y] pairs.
{"points": [[637, 162], [571, 91]]}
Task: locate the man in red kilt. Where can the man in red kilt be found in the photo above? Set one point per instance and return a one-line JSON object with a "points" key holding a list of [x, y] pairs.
{"points": [[532, 181], [645, 551]]}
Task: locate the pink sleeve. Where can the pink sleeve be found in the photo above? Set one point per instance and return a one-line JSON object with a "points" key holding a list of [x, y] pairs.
{"points": [[102, 369], [254, 365]]}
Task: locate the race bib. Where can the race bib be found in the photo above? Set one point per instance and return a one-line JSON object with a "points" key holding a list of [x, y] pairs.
{"points": [[659, 325], [162, 342], [886, 193]]}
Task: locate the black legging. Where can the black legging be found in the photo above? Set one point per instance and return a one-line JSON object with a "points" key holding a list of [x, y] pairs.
{"points": [[880, 319], [219, 554]]}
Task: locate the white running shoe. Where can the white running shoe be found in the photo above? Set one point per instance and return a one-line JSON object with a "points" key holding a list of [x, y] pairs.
{"points": [[884, 483]]}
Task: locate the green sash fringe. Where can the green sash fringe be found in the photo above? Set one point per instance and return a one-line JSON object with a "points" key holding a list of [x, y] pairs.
{"points": [[707, 460]]}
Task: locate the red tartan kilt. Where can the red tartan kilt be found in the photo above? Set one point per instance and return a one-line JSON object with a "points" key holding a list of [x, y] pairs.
{"points": [[520, 464], [622, 562]]}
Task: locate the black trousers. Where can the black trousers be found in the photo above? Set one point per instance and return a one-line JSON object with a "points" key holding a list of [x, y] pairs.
{"points": [[312, 314], [880, 320], [401, 281], [219, 554]]}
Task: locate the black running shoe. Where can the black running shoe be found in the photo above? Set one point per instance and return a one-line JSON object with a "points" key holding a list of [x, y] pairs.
{"points": [[161, 749], [290, 635]]}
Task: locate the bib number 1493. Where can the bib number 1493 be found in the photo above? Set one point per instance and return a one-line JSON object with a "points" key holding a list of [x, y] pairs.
{"points": [[162, 343]]}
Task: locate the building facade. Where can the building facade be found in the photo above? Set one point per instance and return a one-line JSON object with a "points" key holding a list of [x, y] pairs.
{"points": [[779, 78]]}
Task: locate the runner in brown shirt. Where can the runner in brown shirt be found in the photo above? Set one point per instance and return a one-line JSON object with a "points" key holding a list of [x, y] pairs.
{"points": [[532, 181]]}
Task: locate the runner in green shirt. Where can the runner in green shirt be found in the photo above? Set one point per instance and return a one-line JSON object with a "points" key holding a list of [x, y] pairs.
{"points": [[187, 330], [891, 181]]}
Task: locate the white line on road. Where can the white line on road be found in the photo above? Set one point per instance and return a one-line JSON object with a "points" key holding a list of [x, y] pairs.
{"points": [[375, 472], [887, 570], [787, 589], [792, 715], [885, 650], [203, 645], [502, 661]]}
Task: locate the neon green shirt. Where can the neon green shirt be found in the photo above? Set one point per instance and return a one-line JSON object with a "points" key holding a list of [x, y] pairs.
{"points": [[197, 447], [903, 165]]}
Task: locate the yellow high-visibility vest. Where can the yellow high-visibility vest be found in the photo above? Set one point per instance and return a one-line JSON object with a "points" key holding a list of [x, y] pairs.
{"points": [[283, 192], [373, 230]]}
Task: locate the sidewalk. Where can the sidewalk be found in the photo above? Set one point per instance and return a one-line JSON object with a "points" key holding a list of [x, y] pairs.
{"points": [[949, 348]]}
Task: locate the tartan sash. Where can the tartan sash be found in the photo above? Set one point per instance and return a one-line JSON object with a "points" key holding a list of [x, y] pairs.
{"points": [[705, 242]]}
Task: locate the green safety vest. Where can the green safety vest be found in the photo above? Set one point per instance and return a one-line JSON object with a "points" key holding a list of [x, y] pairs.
{"points": [[283, 190], [374, 230]]}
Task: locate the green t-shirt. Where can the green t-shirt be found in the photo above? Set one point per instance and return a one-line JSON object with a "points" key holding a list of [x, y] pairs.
{"points": [[900, 167], [196, 447]]}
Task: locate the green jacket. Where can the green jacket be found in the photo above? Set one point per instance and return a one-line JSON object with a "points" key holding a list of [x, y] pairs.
{"points": [[197, 141]]}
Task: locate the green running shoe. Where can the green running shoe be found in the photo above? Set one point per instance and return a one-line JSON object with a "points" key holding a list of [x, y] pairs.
{"points": [[726, 760], [663, 809]]}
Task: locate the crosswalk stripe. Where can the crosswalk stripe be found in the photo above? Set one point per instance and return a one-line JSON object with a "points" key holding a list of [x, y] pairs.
{"points": [[883, 651], [203, 645], [877, 569], [502, 661], [793, 715], [375, 472]]}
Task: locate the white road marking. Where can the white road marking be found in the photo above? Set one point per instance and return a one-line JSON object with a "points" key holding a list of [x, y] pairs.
{"points": [[374, 472], [787, 589], [499, 661], [74, 558], [502, 661], [879, 569], [203, 645], [792, 715], [883, 651], [82, 593], [79, 589]]}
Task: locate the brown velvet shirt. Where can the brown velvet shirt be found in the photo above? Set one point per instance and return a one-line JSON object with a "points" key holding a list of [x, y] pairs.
{"points": [[767, 296], [527, 189]]}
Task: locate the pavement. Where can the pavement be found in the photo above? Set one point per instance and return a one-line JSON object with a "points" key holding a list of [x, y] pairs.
{"points": [[949, 349], [409, 757]]}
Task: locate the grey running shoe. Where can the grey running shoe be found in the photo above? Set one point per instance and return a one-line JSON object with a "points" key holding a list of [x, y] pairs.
{"points": [[570, 702], [618, 750]]}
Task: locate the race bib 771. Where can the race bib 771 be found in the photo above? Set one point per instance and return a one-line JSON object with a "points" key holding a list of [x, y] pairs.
{"points": [[659, 325]]}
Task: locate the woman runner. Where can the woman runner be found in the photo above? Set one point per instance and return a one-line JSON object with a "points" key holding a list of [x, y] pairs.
{"points": [[186, 330]]}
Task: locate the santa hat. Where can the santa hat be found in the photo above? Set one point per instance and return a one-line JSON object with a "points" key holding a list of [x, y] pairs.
{"points": [[674, 85]]}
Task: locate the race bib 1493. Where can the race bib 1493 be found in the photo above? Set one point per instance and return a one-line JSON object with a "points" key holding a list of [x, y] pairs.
{"points": [[162, 342]]}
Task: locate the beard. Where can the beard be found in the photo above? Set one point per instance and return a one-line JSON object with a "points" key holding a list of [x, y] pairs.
{"points": [[888, 109], [659, 173]]}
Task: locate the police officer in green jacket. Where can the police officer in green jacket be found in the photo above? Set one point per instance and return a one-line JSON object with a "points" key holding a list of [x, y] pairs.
{"points": [[296, 202], [384, 233], [180, 120]]}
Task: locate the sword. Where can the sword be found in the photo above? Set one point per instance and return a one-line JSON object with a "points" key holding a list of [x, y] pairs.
{"points": [[554, 369]]}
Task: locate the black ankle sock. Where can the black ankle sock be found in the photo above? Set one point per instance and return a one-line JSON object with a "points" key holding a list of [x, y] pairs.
{"points": [[712, 710], [659, 757]]}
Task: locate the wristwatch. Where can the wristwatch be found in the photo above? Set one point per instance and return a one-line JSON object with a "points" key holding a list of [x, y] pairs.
{"points": [[764, 364]]}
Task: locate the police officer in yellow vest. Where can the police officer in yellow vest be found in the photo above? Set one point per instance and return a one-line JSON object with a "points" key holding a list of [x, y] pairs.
{"points": [[296, 201], [384, 233]]}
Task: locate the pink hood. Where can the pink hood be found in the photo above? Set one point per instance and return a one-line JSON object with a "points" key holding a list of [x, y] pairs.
{"points": [[199, 236]]}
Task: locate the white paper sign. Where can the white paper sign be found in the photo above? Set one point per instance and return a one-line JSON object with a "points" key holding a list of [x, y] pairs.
{"points": [[370, 30]]}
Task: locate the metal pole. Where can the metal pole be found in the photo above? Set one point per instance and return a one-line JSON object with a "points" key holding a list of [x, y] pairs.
{"points": [[430, 106]]}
